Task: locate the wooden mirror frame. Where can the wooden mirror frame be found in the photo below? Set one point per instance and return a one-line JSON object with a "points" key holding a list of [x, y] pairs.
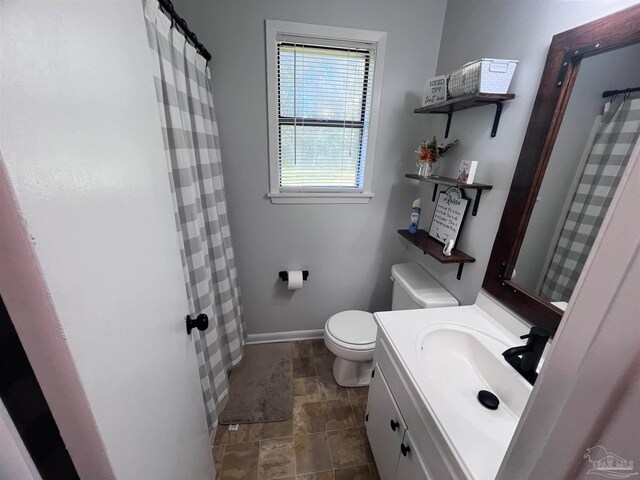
{"points": [[560, 71]]}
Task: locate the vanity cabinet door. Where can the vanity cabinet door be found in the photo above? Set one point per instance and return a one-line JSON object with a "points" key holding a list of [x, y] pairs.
{"points": [[410, 464], [385, 426]]}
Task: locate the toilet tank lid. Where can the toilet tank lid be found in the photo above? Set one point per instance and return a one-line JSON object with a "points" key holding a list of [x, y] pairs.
{"points": [[421, 287]]}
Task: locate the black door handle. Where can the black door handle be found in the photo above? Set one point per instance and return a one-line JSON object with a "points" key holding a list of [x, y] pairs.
{"points": [[201, 322], [394, 425], [404, 449]]}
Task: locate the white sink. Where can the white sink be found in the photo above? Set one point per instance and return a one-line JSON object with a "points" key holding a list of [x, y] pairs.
{"points": [[459, 362]]}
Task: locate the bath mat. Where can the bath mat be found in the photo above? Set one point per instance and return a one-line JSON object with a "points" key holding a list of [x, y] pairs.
{"points": [[260, 386]]}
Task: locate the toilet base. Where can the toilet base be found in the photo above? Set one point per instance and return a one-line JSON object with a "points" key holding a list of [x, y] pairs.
{"points": [[348, 373]]}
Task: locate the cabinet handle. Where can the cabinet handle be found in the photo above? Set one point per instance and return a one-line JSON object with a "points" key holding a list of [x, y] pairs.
{"points": [[394, 425], [404, 449]]}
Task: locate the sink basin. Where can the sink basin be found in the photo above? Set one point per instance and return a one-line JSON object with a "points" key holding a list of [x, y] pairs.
{"points": [[459, 361]]}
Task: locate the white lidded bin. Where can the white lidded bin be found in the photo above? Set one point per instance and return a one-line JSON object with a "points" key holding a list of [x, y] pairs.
{"points": [[414, 288], [487, 75]]}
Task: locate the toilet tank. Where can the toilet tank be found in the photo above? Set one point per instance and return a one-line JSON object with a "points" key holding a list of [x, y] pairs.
{"points": [[414, 288]]}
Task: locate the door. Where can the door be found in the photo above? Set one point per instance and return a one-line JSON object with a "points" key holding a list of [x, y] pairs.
{"points": [[410, 463], [385, 426], [81, 140]]}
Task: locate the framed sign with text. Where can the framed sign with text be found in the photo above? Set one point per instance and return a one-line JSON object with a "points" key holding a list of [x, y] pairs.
{"points": [[448, 215], [435, 91]]}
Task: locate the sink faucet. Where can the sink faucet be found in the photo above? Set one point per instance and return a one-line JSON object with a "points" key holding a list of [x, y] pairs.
{"points": [[525, 358]]}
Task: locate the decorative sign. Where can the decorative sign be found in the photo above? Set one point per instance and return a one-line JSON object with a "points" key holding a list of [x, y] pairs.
{"points": [[435, 91], [449, 215]]}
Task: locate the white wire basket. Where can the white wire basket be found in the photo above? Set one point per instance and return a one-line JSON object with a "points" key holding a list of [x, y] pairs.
{"points": [[487, 75]]}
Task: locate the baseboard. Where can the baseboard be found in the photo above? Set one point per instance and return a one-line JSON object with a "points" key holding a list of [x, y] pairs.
{"points": [[284, 336]]}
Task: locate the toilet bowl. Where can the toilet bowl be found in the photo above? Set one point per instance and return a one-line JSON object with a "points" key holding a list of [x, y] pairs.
{"points": [[351, 335]]}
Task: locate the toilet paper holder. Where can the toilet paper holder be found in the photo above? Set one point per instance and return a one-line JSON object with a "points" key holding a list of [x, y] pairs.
{"points": [[284, 275]]}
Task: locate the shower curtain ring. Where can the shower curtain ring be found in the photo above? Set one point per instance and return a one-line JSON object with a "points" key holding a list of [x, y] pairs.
{"points": [[170, 10]]}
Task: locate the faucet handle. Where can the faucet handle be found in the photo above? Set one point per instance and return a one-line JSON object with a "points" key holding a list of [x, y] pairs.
{"points": [[540, 334]]}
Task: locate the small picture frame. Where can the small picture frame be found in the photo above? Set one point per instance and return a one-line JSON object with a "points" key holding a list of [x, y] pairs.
{"points": [[448, 216], [467, 171]]}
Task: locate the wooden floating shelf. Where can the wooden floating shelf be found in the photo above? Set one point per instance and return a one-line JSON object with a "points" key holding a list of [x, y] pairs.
{"points": [[469, 101], [429, 246], [452, 182]]}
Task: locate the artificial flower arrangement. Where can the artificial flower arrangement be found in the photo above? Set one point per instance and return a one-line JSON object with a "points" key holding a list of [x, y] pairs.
{"points": [[430, 152]]}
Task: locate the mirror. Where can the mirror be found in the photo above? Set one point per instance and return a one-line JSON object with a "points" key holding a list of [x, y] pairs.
{"points": [[593, 146], [573, 156]]}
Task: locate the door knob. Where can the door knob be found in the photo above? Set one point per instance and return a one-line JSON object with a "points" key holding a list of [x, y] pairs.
{"points": [[404, 449], [394, 425], [201, 322]]}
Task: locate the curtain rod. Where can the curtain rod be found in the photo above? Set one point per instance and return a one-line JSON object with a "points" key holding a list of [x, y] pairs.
{"points": [[611, 93], [167, 6]]}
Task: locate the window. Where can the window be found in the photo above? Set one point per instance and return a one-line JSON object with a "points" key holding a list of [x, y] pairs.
{"points": [[323, 92]]}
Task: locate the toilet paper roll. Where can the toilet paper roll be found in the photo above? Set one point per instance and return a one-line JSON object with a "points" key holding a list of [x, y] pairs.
{"points": [[295, 280]]}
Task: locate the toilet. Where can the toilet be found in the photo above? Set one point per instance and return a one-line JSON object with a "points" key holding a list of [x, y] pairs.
{"points": [[351, 335]]}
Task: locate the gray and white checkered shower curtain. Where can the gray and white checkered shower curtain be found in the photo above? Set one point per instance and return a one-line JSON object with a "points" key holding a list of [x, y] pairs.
{"points": [[191, 143], [612, 146]]}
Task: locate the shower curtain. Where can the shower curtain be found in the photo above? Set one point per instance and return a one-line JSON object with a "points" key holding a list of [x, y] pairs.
{"points": [[183, 91], [612, 146]]}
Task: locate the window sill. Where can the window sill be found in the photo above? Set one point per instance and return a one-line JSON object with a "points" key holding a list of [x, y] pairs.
{"points": [[320, 197]]}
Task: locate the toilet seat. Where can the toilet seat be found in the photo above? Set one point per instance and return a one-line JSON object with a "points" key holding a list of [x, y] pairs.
{"points": [[352, 330]]}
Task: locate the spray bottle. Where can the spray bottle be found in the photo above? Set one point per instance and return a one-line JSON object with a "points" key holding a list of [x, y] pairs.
{"points": [[415, 215]]}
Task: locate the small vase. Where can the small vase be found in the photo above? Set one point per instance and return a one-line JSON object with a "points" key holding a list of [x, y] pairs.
{"points": [[425, 169]]}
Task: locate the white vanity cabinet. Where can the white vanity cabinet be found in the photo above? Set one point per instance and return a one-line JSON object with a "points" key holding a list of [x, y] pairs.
{"points": [[396, 455], [397, 430], [385, 426], [430, 365]]}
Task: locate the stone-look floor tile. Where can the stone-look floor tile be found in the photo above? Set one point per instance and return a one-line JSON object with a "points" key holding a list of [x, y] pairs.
{"points": [[240, 462], [247, 432], [304, 367], [276, 459], [346, 448], [327, 475], [366, 446], [360, 472], [308, 418], [312, 453], [221, 437], [330, 390], [302, 349], [306, 390], [359, 395], [338, 415], [359, 411], [277, 429], [319, 347], [324, 365], [218, 455]]}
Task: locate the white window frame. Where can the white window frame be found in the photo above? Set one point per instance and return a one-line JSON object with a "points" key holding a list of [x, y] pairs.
{"points": [[379, 39]]}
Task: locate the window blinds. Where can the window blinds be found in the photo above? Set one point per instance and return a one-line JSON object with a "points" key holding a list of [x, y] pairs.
{"points": [[324, 103]]}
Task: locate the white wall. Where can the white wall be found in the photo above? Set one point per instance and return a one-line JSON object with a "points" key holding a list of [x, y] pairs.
{"points": [[348, 249], [609, 71], [514, 29]]}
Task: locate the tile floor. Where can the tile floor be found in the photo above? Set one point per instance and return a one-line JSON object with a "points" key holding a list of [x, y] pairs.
{"points": [[325, 439]]}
